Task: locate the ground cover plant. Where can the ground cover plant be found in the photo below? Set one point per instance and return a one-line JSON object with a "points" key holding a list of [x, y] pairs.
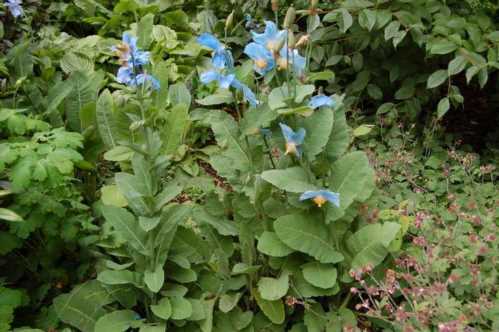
{"points": [[249, 165]]}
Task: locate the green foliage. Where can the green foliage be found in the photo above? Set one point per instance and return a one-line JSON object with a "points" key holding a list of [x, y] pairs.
{"points": [[186, 208]]}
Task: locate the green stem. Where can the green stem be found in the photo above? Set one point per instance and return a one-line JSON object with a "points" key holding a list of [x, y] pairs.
{"points": [[269, 152]]}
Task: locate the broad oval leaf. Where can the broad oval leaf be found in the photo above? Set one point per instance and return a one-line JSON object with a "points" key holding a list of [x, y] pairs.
{"points": [[308, 235], [292, 179]]}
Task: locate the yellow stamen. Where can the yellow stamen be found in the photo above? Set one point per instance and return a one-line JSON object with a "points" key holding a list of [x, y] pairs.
{"points": [[320, 201], [261, 63], [282, 63], [291, 148], [271, 46]]}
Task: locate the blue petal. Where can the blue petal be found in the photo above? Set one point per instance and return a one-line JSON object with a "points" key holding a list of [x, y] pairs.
{"points": [[299, 63], [269, 34], [299, 136], [309, 195], [259, 53], [287, 132], [139, 58], [15, 7], [142, 79], [130, 40], [125, 75], [226, 80], [209, 76], [320, 101], [332, 197], [219, 60], [249, 96], [210, 41]]}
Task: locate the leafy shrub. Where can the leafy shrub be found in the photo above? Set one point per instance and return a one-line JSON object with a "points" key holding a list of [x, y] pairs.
{"points": [[44, 215]]}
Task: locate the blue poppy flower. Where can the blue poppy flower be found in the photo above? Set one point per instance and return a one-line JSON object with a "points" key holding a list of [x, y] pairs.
{"points": [[320, 197], [294, 140], [321, 101], [263, 58], [293, 58], [15, 7], [224, 81], [272, 38], [249, 96], [221, 56], [127, 76], [129, 52]]}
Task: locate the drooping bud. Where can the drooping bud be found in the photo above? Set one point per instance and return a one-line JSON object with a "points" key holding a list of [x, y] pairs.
{"points": [[302, 41], [275, 5], [229, 21], [289, 20], [291, 39], [279, 45]]}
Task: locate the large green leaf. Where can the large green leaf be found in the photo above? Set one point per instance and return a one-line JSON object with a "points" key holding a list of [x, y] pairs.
{"points": [[320, 275], [144, 31], [126, 225], [274, 310], [292, 179], [269, 244], [163, 309], [272, 289], [177, 123], [318, 127], [84, 92], [308, 235], [83, 306], [118, 321], [234, 157], [154, 280], [370, 244], [105, 120], [353, 178]]}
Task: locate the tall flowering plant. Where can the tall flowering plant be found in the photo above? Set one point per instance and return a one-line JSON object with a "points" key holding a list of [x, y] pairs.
{"points": [[291, 184]]}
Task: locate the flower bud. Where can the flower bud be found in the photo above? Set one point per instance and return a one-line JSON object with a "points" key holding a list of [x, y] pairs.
{"points": [[279, 45], [302, 41], [289, 20], [291, 39], [229, 21], [275, 5]]}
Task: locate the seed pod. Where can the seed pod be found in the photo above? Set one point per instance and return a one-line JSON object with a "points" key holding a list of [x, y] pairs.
{"points": [[229, 21], [302, 41], [275, 5], [291, 39], [289, 20]]}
